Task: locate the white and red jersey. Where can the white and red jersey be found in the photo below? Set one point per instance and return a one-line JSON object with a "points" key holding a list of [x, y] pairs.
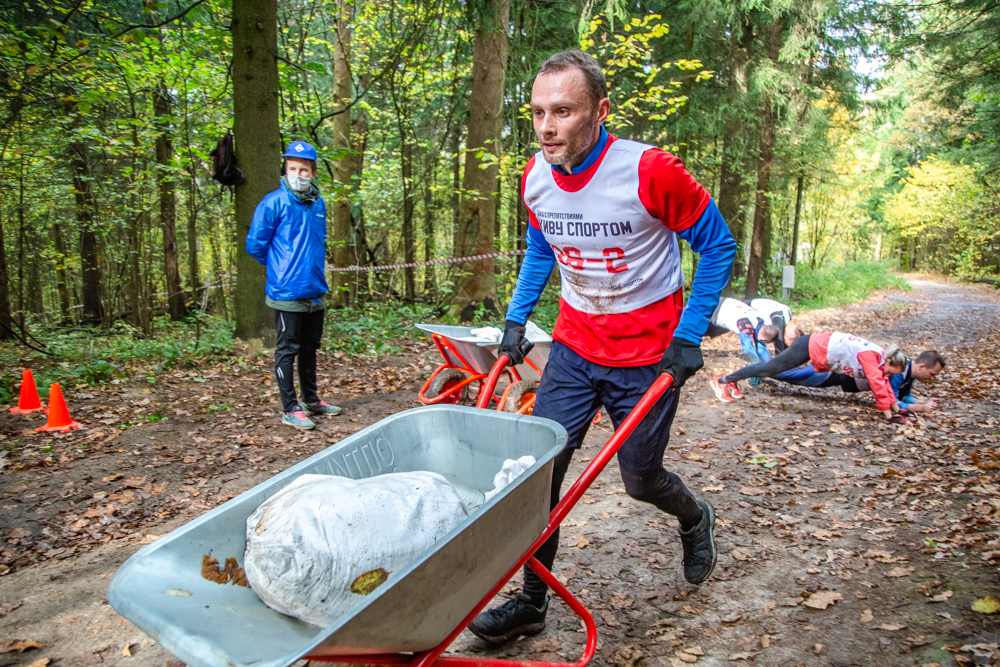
{"points": [[855, 357], [612, 229], [768, 307], [731, 311]]}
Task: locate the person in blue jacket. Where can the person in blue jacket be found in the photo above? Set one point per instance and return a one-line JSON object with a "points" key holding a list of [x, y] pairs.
{"points": [[288, 236]]}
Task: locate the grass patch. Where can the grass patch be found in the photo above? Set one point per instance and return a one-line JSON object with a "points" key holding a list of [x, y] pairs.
{"points": [[374, 329], [837, 285], [83, 356]]}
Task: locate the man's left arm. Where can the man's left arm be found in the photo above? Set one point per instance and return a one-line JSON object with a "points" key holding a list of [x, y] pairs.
{"points": [[711, 239], [669, 193]]}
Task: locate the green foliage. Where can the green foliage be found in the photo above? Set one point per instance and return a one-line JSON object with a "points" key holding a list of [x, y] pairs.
{"points": [[374, 329], [95, 372], [84, 357], [835, 285]]}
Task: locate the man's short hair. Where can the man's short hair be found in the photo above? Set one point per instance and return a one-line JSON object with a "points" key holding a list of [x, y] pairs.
{"points": [[597, 85], [930, 358]]}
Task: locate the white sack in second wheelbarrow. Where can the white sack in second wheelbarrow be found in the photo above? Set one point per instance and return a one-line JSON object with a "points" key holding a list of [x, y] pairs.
{"points": [[321, 543]]}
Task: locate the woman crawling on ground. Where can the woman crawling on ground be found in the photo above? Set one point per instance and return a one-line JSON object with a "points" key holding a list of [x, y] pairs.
{"points": [[837, 352]]}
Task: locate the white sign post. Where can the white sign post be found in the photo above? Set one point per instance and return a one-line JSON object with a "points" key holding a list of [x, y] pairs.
{"points": [[787, 281]]}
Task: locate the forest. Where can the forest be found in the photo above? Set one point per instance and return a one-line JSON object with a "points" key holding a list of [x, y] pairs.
{"points": [[829, 133]]}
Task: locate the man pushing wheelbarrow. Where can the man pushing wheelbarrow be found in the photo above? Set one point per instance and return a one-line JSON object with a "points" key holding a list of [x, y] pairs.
{"points": [[609, 210]]}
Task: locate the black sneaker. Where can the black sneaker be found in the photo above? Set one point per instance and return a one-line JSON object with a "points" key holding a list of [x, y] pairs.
{"points": [[699, 546], [513, 618]]}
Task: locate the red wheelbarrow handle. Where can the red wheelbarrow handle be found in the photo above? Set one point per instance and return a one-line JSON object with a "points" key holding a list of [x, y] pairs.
{"points": [[432, 657], [486, 392]]}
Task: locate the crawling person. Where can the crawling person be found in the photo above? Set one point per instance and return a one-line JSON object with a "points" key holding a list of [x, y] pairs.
{"points": [[836, 352], [754, 331], [925, 368], [778, 315], [735, 316]]}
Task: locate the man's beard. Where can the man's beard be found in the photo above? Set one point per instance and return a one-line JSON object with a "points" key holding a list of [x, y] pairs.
{"points": [[576, 147]]}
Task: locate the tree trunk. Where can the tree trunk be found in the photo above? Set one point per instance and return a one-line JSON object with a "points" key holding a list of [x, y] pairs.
{"points": [[762, 208], [6, 322], [406, 154], [258, 147], [430, 281], [362, 253], [798, 218], [93, 308], [341, 240], [476, 220], [192, 233], [731, 179], [162, 108], [61, 283]]}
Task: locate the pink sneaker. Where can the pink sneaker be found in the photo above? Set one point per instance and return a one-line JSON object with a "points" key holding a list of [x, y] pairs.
{"points": [[734, 390], [721, 390], [298, 419]]}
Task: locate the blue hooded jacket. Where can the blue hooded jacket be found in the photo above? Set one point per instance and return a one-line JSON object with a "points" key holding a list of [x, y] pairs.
{"points": [[289, 237]]}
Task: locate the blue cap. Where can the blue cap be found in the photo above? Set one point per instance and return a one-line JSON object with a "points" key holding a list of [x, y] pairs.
{"points": [[300, 149]]}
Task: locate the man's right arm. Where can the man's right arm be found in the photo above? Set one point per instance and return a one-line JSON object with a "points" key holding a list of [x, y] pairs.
{"points": [[265, 221]]}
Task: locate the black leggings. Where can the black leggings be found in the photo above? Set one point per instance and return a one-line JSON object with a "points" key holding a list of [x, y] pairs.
{"points": [[796, 355]]}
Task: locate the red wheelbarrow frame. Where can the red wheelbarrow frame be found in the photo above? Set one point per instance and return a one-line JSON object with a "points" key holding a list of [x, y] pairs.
{"points": [[561, 510], [445, 347]]}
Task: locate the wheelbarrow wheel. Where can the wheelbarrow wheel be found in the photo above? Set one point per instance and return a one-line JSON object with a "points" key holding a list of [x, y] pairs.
{"points": [[444, 381], [519, 395]]}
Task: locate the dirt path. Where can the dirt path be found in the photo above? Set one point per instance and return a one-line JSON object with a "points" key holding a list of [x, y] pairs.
{"points": [[817, 500]]}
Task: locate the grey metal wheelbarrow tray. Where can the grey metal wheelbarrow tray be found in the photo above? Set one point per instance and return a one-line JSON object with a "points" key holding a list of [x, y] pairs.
{"points": [[417, 607]]}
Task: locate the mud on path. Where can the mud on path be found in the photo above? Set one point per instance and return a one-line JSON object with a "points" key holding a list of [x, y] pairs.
{"points": [[894, 530]]}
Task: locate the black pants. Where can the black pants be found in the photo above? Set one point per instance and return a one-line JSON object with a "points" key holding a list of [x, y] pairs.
{"points": [[796, 355], [299, 335], [571, 390]]}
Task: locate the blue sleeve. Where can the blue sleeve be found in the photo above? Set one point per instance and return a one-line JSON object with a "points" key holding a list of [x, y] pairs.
{"points": [[896, 382], [539, 260], [262, 227], [710, 238]]}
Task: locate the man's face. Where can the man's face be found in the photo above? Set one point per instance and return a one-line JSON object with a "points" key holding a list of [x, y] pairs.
{"points": [[923, 372], [298, 167], [565, 117]]}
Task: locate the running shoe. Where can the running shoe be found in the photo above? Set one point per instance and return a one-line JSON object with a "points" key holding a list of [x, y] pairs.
{"points": [[721, 390], [320, 408], [513, 618], [699, 546], [734, 390], [298, 419]]}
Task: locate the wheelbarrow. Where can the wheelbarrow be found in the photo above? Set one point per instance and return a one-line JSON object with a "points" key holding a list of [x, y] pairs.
{"points": [[418, 612], [468, 359]]}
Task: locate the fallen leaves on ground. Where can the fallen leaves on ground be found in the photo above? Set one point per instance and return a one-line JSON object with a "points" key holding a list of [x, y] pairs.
{"points": [[987, 605], [822, 599], [19, 646]]}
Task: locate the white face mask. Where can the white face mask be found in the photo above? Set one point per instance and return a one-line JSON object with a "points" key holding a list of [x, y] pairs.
{"points": [[298, 183]]}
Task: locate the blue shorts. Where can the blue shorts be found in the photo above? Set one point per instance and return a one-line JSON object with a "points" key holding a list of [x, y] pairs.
{"points": [[573, 389]]}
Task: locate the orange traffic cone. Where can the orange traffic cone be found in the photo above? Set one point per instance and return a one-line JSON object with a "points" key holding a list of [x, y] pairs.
{"points": [[59, 419], [28, 401]]}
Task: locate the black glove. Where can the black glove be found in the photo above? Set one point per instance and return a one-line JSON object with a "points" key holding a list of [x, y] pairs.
{"points": [[681, 360], [512, 343], [898, 419], [904, 412]]}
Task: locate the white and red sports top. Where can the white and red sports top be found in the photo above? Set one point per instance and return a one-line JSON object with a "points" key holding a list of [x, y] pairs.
{"points": [[731, 311], [853, 356], [768, 307], [612, 229]]}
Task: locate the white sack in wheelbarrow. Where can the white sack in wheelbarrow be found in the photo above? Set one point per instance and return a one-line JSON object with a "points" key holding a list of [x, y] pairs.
{"points": [[322, 543]]}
